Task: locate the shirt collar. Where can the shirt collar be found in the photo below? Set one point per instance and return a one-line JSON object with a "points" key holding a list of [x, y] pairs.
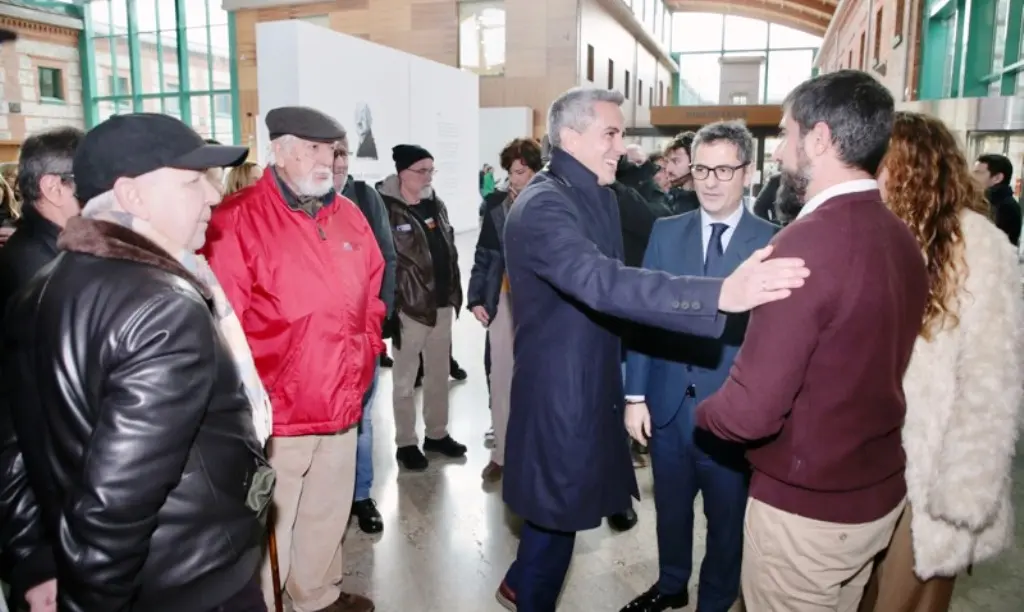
{"points": [[843, 188], [731, 221]]}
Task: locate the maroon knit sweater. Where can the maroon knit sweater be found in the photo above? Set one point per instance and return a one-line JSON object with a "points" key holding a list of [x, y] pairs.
{"points": [[817, 385]]}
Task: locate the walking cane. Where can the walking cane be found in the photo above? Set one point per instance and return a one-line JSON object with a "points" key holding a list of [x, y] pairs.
{"points": [[275, 570]]}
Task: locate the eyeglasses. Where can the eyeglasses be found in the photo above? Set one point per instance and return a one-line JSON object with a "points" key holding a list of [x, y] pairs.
{"points": [[722, 173]]}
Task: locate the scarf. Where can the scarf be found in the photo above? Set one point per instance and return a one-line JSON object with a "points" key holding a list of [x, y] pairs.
{"points": [[227, 321]]}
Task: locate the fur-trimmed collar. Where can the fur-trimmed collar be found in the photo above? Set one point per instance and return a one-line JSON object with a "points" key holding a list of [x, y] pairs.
{"points": [[112, 241]]}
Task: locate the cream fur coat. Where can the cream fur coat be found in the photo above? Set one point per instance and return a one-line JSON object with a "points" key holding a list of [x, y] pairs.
{"points": [[964, 394]]}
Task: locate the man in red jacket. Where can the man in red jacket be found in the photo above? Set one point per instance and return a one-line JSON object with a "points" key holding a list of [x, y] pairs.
{"points": [[302, 269]]}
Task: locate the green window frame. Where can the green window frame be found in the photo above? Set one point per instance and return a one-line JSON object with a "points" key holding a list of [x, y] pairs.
{"points": [[177, 64]]}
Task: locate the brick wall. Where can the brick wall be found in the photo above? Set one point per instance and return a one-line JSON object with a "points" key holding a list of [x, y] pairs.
{"points": [[890, 45], [22, 112]]}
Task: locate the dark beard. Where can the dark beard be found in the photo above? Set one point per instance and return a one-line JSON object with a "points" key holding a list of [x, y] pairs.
{"points": [[791, 196]]}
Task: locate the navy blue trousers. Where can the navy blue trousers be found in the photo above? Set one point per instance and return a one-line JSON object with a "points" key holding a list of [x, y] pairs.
{"points": [[542, 561], [684, 461]]}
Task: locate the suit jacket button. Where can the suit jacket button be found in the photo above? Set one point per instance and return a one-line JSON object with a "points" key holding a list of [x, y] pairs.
{"points": [[695, 305], [685, 306], [676, 305]]}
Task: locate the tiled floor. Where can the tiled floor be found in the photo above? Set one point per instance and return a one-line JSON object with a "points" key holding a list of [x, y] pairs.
{"points": [[447, 540]]}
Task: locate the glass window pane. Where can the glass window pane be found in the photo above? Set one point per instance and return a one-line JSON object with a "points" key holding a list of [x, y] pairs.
{"points": [[743, 33], [748, 77], [202, 115], [159, 56], [697, 32], [482, 37], [105, 109], [199, 13], [699, 78], [786, 70], [201, 51], [783, 37]]}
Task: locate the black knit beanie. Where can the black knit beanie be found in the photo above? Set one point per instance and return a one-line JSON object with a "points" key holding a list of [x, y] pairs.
{"points": [[406, 155]]}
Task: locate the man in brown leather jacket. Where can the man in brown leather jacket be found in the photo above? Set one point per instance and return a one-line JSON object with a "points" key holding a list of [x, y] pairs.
{"points": [[428, 293]]}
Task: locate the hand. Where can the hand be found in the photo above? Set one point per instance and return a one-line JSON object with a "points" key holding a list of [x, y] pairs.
{"points": [[42, 597], [758, 281], [481, 315], [638, 422], [5, 233]]}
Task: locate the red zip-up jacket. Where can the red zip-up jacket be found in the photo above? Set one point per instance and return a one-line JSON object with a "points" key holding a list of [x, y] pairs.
{"points": [[306, 291]]}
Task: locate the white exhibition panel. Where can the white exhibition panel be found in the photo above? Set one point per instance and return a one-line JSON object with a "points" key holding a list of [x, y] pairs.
{"points": [[411, 101], [498, 127]]}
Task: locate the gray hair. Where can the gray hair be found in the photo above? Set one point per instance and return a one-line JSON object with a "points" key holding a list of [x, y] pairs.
{"points": [[728, 131], [575, 110], [51, 152]]}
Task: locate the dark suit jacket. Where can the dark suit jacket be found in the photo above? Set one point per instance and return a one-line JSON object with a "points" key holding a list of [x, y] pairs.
{"points": [[819, 379], [665, 365], [489, 258], [31, 247], [567, 462], [25, 558]]}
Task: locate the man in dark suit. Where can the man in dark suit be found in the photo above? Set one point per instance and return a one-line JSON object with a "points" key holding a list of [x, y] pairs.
{"points": [[567, 463], [665, 382], [818, 384]]}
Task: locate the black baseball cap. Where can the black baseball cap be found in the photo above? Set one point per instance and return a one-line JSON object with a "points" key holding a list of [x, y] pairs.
{"points": [[126, 146]]}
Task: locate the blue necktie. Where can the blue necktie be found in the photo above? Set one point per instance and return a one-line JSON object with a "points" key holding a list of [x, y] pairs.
{"points": [[716, 252]]}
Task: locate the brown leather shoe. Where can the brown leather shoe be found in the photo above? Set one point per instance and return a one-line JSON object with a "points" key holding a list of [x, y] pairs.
{"points": [[350, 602], [492, 473]]}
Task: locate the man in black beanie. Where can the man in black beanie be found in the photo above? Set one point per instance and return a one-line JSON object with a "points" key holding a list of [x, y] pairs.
{"points": [[428, 294]]}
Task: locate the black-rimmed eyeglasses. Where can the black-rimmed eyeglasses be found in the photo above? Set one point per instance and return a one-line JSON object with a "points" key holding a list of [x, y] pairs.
{"points": [[722, 173]]}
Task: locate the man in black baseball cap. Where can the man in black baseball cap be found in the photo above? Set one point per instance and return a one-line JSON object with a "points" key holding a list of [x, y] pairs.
{"points": [[156, 166], [128, 146], [133, 393]]}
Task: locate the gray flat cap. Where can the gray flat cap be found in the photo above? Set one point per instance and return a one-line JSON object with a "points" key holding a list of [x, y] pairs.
{"points": [[305, 123]]}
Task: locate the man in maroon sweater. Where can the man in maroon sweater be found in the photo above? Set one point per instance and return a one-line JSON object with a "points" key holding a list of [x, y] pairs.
{"points": [[817, 385]]}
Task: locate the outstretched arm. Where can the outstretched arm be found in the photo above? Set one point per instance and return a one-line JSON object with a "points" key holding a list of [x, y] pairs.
{"points": [[544, 236]]}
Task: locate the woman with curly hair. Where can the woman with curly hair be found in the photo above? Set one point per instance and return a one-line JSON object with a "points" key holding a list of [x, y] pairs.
{"points": [[962, 386]]}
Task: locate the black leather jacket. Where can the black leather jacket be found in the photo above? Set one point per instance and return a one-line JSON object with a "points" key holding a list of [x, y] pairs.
{"points": [[26, 558], [135, 429], [32, 246]]}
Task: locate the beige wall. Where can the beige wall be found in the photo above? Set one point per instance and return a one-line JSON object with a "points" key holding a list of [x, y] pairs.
{"points": [[610, 40], [540, 57]]}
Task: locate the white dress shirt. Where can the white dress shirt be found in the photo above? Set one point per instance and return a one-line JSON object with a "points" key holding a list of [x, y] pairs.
{"points": [[705, 228], [837, 190]]}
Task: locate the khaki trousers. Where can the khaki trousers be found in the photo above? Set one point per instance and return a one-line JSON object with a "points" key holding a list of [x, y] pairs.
{"points": [[895, 588], [435, 344], [312, 502], [501, 333], [797, 564]]}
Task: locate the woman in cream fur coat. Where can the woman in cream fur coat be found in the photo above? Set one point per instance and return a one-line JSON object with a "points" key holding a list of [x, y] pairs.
{"points": [[963, 384]]}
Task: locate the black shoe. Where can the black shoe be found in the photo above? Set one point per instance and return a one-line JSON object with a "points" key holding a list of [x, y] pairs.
{"points": [[623, 521], [412, 458], [654, 601], [446, 446], [370, 520], [456, 372], [386, 361]]}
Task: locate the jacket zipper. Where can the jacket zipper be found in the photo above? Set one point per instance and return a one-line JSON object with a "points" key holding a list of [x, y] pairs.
{"points": [[320, 230]]}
